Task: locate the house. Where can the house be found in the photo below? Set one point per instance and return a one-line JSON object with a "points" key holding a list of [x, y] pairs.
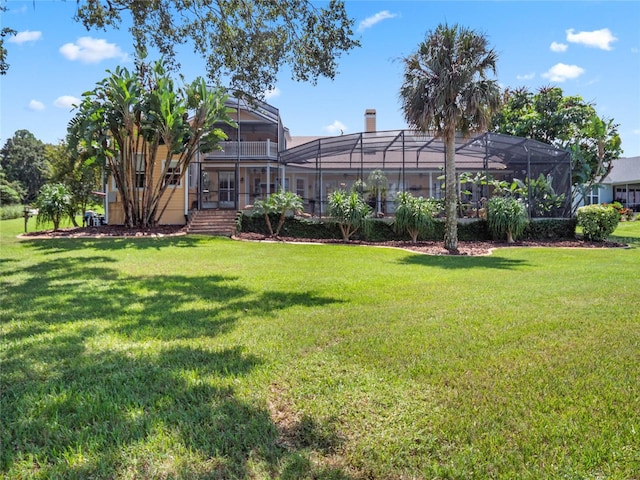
{"points": [[621, 185], [260, 157]]}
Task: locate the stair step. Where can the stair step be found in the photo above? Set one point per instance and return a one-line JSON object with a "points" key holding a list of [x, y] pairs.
{"points": [[213, 222]]}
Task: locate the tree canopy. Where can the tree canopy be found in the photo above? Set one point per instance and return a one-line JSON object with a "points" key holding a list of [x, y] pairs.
{"points": [[246, 41], [446, 89], [565, 122], [23, 160]]}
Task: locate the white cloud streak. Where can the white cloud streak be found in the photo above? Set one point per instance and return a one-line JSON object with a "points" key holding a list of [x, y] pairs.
{"points": [[526, 76], [36, 105], [601, 39], [558, 47], [92, 50], [374, 19], [337, 127], [561, 72], [66, 101], [25, 37]]}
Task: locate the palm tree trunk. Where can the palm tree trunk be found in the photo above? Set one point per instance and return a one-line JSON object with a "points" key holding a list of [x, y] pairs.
{"points": [[451, 197]]}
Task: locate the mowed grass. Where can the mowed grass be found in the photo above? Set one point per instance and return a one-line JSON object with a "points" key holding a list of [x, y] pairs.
{"points": [[195, 357]]}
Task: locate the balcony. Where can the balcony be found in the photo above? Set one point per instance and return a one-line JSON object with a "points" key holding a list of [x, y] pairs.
{"points": [[248, 150]]}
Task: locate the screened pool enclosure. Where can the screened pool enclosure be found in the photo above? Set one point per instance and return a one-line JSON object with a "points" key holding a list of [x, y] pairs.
{"points": [[406, 160]]}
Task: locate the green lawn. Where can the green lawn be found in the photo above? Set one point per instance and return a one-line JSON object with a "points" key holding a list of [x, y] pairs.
{"points": [[194, 357]]}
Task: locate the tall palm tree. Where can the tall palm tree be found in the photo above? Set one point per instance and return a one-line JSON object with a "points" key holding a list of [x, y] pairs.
{"points": [[446, 90]]}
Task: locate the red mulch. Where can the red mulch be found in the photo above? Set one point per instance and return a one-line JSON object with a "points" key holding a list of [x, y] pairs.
{"points": [[430, 248], [475, 248]]}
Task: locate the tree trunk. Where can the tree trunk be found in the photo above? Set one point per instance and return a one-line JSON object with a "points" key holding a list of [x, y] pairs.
{"points": [[451, 197]]}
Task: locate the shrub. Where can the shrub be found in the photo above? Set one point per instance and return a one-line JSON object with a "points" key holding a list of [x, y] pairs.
{"points": [[279, 203], [598, 221], [506, 216], [9, 212], [413, 215], [550, 229], [350, 211]]}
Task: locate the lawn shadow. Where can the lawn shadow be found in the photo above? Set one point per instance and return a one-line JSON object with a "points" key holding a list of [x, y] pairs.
{"points": [[131, 413], [73, 407], [452, 262], [56, 245]]}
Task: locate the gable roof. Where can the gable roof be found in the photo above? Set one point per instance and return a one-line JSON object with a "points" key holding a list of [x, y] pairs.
{"points": [[625, 170]]}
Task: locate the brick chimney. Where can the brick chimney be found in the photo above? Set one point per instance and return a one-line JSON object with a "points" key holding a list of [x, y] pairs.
{"points": [[370, 120]]}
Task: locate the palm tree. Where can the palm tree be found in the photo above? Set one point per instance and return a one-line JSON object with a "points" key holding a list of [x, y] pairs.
{"points": [[446, 90]]}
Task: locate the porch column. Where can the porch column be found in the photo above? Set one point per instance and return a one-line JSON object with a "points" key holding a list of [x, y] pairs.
{"points": [[268, 179]]}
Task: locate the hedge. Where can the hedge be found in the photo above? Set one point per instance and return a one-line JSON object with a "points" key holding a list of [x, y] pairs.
{"points": [[382, 229]]}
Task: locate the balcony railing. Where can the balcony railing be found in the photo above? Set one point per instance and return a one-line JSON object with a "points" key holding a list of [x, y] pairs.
{"points": [[248, 150]]}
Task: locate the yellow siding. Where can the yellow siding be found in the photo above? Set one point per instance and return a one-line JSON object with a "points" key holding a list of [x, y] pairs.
{"points": [[173, 214]]}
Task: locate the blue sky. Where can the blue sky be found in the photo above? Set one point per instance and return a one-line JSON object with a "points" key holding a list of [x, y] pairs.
{"points": [[587, 48]]}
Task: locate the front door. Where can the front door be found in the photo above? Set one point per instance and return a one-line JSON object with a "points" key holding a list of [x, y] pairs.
{"points": [[227, 189]]}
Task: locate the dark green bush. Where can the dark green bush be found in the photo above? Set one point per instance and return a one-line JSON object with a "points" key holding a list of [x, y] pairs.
{"points": [[598, 221], [382, 229], [550, 229]]}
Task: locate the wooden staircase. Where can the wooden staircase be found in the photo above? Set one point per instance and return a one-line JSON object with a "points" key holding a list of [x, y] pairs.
{"points": [[213, 222]]}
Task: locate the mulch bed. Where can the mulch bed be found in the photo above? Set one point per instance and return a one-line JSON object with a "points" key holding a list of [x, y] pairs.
{"points": [[437, 248], [429, 248]]}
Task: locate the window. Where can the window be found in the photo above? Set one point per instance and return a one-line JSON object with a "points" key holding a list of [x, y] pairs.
{"points": [[593, 196], [172, 177], [281, 186], [300, 187], [140, 170]]}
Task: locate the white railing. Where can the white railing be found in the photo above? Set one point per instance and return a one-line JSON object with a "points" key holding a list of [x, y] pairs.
{"points": [[266, 149]]}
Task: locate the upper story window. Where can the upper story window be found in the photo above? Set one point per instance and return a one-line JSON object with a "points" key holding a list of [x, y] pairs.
{"points": [[172, 177]]}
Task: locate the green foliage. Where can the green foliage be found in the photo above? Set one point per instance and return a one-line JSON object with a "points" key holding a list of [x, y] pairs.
{"points": [[246, 42], [550, 229], [5, 32], [598, 221], [82, 176], [10, 192], [24, 163], [506, 217], [414, 215], [350, 211], [565, 122], [8, 212], [446, 89], [125, 119], [377, 184], [53, 204], [293, 227], [281, 204], [537, 194]]}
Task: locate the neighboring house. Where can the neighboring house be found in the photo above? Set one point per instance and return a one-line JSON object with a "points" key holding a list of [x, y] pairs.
{"points": [[261, 156], [621, 185]]}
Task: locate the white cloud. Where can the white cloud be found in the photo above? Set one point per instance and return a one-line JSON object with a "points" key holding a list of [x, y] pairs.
{"points": [[274, 92], [597, 39], [526, 76], [26, 36], [92, 50], [558, 47], [561, 72], [377, 18], [66, 101], [337, 127], [636, 131], [36, 105]]}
